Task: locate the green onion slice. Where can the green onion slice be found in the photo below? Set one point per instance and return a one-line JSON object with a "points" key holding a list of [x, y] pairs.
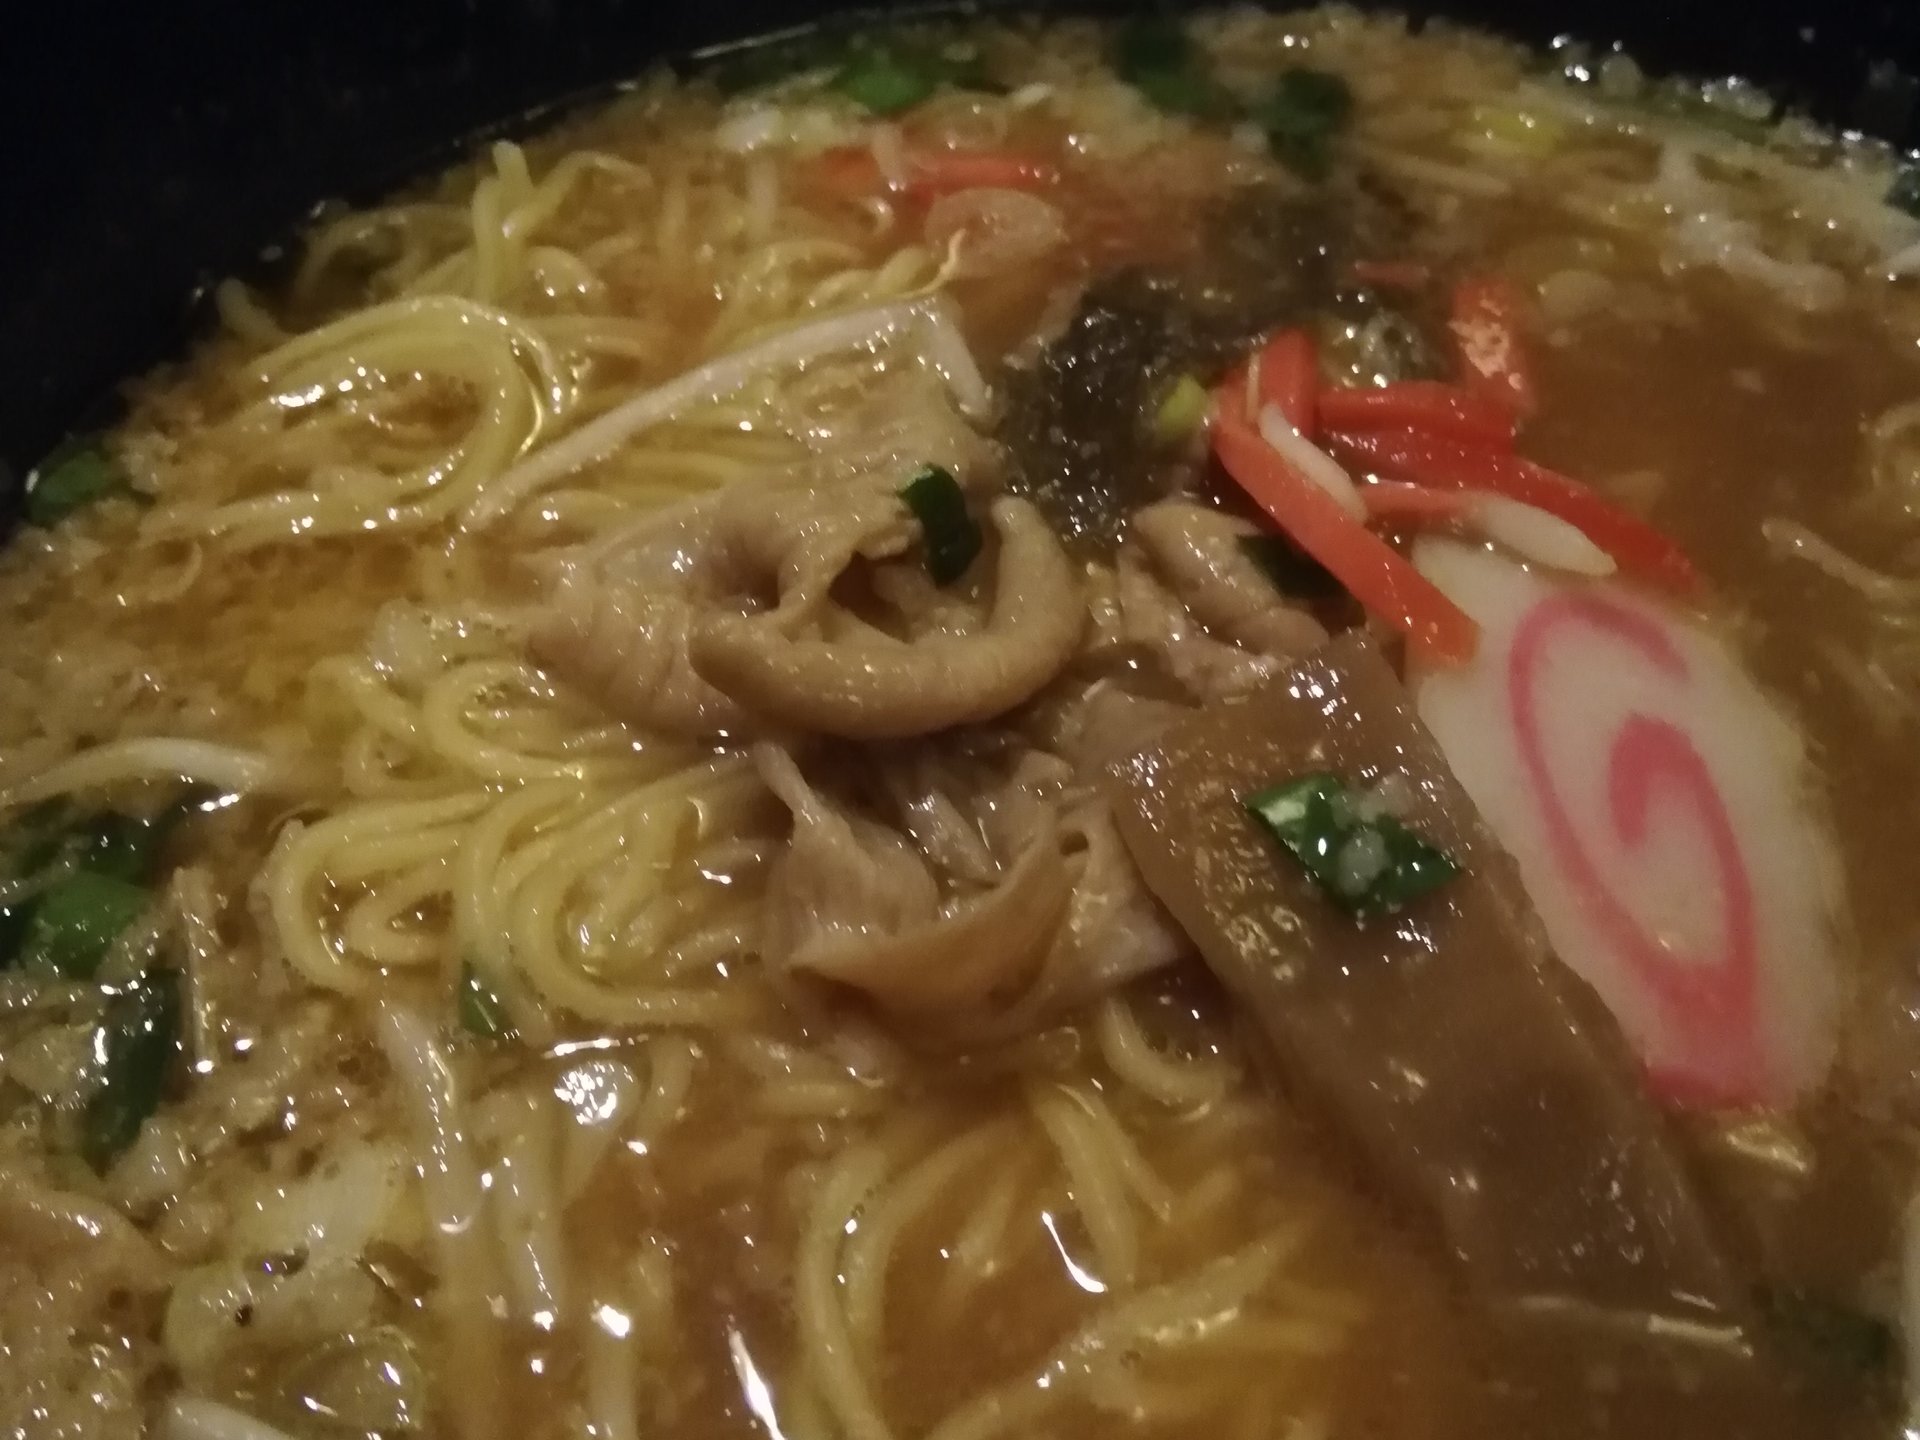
{"points": [[482, 1012], [1904, 193], [76, 920], [94, 867], [139, 1037], [71, 479], [1365, 862], [885, 81], [14, 920], [888, 76], [1181, 412], [1156, 55], [949, 533], [1302, 116]]}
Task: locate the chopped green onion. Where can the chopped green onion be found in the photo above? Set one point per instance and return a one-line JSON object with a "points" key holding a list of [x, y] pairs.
{"points": [[1904, 194], [1149, 43], [887, 77], [1837, 1332], [1182, 411], [139, 1037], [885, 72], [1294, 573], [1185, 92], [71, 479], [1303, 114], [950, 536], [14, 920], [93, 865], [885, 81], [481, 1010], [76, 919], [1156, 56], [125, 847], [1368, 864]]}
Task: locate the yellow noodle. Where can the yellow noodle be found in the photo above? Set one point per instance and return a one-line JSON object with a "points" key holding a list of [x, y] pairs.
{"points": [[1182, 1084], [1103, 1165], [370, 856], [831, 1353], [480, 923], [1792, 538], [798, 1082], [1891, 463], [295, 874], [1888, 701], [488, 264], [871, 1249], [672, 1060], [1181, 1312], [444, 726], [517, 382], [982, 1247], [245, 316], [803, 1413], [375, 927], [1127, 1160], [612, 1379], [1095, 1183], [360, 231], [643, 830], [377, 705], [155, 586], [716, 943], [1207, 1196]]}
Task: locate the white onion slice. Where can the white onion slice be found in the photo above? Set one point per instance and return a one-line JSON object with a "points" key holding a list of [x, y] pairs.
{"points": [[1311, 461], [763, 197], [944, 348], [156, 757], [750, 130], [1533, 534], [188, 1417], [890, 155]]}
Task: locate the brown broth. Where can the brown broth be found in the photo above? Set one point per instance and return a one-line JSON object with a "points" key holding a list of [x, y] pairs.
{"points": [[1742, 413]]}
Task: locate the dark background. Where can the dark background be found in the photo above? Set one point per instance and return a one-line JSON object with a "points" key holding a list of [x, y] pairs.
{"points": [[155, 145]]}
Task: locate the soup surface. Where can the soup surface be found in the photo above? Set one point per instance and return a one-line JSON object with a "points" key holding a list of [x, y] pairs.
{"points": [[628, 806]]}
